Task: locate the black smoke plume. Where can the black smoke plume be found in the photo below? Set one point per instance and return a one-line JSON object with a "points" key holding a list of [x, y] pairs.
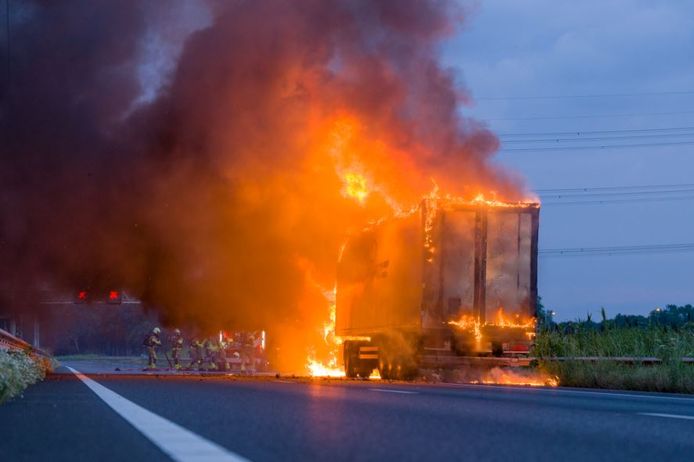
{"points": [[218, 199]]}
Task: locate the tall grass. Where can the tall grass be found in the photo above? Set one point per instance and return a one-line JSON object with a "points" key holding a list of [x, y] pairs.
{"points": [[662, 342], [666, 343]]}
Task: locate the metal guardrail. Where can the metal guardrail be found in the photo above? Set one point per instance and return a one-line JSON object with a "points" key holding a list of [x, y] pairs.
{"points": [[523, 361], [616, 359], [9, 342]]}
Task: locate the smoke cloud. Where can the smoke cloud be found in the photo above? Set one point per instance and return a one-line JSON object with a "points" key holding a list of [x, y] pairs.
{"points": [[219, 194]]}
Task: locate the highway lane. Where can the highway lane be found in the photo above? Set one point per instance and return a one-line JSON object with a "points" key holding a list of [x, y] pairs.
{"points": [[61, 419], [351, 420]]}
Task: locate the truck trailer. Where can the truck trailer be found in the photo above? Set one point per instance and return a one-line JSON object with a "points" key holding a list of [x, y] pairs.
{"points": [[450, 283]]}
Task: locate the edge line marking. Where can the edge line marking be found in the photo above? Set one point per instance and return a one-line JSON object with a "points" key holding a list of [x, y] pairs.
{"points": [[667, 416], [175, 441]]}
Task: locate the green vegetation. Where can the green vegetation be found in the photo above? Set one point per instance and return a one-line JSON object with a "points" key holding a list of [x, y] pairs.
{"points": [[673, 378], [666, 334], [17, 371]]}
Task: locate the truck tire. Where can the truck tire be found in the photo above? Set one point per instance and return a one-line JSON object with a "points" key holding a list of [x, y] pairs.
{"points": [[404, 368], [350, 369], [351, 359], [395, 362], [497, 349], [384, 368], [396, 365]]}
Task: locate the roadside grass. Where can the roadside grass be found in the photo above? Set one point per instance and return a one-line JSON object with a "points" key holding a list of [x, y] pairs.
{"points": [[669, 378], [17, 371], [665, 343]]}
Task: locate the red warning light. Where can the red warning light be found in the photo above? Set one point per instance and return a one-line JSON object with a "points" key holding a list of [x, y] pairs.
{"points": [[82, 296], [114, 296]]}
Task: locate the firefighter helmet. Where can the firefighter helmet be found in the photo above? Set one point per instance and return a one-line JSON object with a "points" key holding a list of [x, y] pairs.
{"points": [[156, 331]]}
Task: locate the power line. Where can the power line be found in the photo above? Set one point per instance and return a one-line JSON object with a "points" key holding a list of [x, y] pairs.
{"points": [[617, 250], [586, 116], [597, 147], [599, 132], [617, 188], [618, 193], [600, 95], [617, 201], [600, 138]]}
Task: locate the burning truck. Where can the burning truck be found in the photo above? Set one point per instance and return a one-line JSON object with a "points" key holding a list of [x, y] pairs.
{"points": [[454, 282]]}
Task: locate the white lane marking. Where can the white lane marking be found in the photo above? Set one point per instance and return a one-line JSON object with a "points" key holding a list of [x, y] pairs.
{"points": [[668, 416], [550, 390], [386, 390], [175, 441]]}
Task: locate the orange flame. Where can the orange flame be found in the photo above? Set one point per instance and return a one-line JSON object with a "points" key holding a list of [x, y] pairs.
{"points": [[515, 321], [348, 151], [318, 369], [355, 187], [500, 376], [330, 367], [512, 321], [470, 323]]}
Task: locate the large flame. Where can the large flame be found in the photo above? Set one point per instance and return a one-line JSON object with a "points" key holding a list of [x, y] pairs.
{"points": [[356, 161], [329, 367]]}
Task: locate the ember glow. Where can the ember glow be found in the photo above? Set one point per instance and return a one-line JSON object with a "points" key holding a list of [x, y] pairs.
{"points": [[469, 323], [500, 319], [500, 376], [515, 320], [472, 324], [318, 369]]}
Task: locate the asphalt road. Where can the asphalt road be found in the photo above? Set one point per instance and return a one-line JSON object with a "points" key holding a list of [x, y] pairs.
{"points": [[269, 419]]}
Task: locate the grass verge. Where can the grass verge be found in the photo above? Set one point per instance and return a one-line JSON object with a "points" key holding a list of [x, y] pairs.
{"points": [[17, 371], [672, 378], [667, 344]]}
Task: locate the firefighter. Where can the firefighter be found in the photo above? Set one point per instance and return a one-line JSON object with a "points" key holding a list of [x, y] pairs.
{"points": [[176, 348], [222, 355], [151, 342], [196, 353], [210, 354]]}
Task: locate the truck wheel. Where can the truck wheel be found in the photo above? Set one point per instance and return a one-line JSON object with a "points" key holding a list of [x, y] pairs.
{"points": [[350, 360], [350, 370], [384, 368], [404, 368]]}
